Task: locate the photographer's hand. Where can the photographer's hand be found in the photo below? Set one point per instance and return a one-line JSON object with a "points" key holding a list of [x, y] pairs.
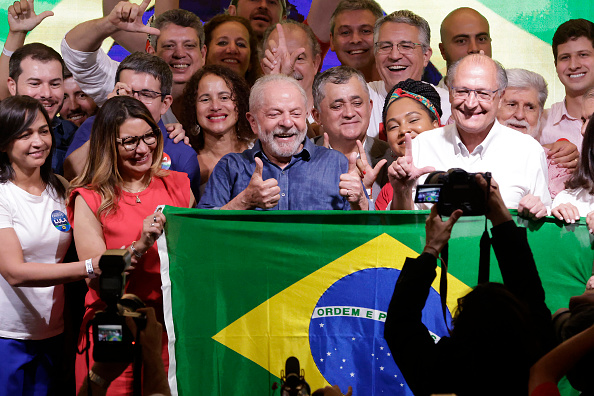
{"points": [[437, 231], [497, 212]]}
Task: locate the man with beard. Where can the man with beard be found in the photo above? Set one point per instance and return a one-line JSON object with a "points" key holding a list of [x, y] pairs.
{"points": [[78, 106], [284, 170], [476, 142], [37, 70], [521, 106]]}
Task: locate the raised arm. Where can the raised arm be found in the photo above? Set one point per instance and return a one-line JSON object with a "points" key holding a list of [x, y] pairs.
{"points": [[412, 347], [319, 18], [555, 364], [124, 17], [21, 20]]}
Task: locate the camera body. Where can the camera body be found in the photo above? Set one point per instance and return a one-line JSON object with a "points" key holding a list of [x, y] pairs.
{"points": [[452, 190], [113, 340]]}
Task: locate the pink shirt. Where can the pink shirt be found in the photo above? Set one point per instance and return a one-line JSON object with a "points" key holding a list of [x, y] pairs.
{"points": [[557, 124]]}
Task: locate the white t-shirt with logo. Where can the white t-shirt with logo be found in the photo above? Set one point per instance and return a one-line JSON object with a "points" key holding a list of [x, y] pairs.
{"points": [[40, 223]]}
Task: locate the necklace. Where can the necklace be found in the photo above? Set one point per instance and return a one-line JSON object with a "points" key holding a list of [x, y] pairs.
{"points": [[136, 193]]}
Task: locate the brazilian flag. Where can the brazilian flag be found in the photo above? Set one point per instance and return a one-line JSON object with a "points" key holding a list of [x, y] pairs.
{"points": [[243, 291]]}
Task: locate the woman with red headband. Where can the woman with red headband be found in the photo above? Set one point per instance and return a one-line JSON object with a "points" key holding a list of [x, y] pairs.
{"points": [[410, 107]]}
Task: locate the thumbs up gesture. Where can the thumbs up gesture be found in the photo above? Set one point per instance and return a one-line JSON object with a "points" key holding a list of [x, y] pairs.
{"points": [[260, 193], [351, 187], [403, 175]]}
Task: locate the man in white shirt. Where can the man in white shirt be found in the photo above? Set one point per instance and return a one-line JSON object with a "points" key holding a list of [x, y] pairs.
{"points": [[402, 50], [476, 142]]}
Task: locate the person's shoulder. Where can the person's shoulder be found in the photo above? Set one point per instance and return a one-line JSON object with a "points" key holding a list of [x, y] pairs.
{"points": [[430, 135], [519, 139]]}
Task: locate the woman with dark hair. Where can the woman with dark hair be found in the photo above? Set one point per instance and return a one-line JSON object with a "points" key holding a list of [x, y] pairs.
{"points": [[411, 107], [113, 203], [35, 235], [231, 42], [215, 107], [577, 200]]}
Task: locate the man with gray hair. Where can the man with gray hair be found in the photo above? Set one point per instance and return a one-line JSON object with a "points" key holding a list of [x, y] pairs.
{"points": [[402, 51], [342, 109], [291, 48], [476, 142], [521, 108], [177, 37], [284, 170]]}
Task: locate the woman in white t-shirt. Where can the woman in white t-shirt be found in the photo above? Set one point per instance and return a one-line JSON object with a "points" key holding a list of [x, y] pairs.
{"points": [[35, 235], [577, 200]]}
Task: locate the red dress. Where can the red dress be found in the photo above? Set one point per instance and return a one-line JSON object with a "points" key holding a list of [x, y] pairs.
{"points": [[119, 230]]}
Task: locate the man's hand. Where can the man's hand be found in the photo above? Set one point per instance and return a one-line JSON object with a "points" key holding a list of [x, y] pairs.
{"points": [[22, 17], [351, 187], [531, 207], [564, 153], [277, 59], [438, 232], [368, 174], [497, 212], [127, 16], [260, 193], [590, 222], [567, 212], [177, 133]]}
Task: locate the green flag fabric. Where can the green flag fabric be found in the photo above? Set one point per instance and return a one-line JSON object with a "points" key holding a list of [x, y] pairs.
{"points": [[243, 291]]}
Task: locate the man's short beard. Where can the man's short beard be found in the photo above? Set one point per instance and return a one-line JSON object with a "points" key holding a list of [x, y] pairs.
{"points": [[286, 150]]}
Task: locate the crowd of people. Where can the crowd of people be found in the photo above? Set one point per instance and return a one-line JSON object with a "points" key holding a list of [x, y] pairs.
{"points": [[236, 114]]}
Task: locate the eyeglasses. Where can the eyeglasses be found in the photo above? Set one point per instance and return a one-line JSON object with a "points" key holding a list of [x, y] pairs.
{"points": [[404, 47], [147, 96], [483, 95], [130, 143]]}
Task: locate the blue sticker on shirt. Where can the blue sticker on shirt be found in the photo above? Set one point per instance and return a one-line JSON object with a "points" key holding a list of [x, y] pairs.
{"points": [[60, 221]]}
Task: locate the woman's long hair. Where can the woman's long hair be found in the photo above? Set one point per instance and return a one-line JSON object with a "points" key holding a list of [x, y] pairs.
{"points": [[17, 113], [240, 94], [583, 177], [101, 173]]}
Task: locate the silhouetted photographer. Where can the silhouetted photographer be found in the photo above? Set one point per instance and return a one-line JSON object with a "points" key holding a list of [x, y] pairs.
{"points": [[499, 330]]}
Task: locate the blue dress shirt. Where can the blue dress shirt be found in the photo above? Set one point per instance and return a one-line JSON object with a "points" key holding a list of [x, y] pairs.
{"points": [[308, 182]]}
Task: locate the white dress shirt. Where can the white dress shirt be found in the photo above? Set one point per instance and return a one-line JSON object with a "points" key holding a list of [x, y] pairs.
{"points": [[516, 161]]}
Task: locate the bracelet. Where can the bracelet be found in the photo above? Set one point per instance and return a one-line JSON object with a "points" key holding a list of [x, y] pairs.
{"points": [[7, 52], [93, 377], [90, 271], [134, 251]]}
